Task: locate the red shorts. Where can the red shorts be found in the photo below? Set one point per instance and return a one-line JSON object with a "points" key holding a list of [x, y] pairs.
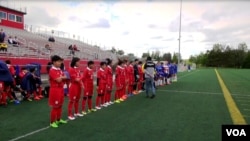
{"points": [[88, 91], [74, 92], [101, 89], [109, 86], [56, 97]]}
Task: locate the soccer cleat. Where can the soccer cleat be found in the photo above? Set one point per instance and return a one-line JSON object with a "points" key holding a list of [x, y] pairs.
{"points": [[36, 98], [61, 121], [117, 101], [17, 102], [91, 110], [78, 115], [40, 96], [110, 102], [84, 113], [12, 100], [121, 99], [29, 99], [54, 125], [98, 108], [71, 117], [105, 105]]}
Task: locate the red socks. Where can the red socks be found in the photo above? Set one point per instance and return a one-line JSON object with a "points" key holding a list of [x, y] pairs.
{"points": [[90, 103]]}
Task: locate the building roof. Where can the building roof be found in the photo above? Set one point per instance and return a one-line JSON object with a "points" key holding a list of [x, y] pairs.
{"points": [[12, 9]]}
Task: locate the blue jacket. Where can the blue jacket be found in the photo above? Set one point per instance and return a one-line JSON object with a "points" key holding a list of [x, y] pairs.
{"points": [[5, 75]]}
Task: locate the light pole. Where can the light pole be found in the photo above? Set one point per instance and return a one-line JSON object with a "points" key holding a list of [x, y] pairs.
{"points": [[179, 55]]}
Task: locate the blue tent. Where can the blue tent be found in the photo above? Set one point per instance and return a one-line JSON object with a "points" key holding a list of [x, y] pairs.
{"points": [[5, 75]]}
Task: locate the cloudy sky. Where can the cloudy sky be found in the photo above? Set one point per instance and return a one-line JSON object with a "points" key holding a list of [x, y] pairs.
{"points": [[142, 26]]}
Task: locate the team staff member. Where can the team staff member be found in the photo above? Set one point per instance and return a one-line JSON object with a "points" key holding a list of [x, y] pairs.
{"points": [[56, 95], [149, 69]]}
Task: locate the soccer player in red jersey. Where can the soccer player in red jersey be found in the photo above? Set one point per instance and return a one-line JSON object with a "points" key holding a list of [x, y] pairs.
{"points": [[56, 95], [126, 67], [140, 70], [131, 78], [119, 81], [101, 85], [109, 87], [88, 83], [75, 88], [10, 85]]}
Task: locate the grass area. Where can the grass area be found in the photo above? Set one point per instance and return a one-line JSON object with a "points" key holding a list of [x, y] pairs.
{"points": [[191, 109]]}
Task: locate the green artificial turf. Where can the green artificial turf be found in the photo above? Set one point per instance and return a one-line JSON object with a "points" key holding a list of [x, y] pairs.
{"points": [[192, 109]]}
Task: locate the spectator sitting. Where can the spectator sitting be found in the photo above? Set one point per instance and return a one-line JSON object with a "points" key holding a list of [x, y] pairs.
{"points": [[51, 39], [3, 47], [16, 41], [47, 46], [12, 41]]}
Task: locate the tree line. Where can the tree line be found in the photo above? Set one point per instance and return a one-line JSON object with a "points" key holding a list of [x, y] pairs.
{"points": [[155, 55], [224, 56]]}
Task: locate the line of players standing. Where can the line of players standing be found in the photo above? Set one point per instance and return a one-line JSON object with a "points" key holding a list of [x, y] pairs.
{"points": [[166, 73]]}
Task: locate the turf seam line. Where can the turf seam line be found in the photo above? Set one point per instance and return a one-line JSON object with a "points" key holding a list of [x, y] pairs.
{"points": [[235, 113]]}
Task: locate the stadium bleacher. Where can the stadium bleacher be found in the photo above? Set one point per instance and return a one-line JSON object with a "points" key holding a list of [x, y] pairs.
{"points": [[33, 45]]}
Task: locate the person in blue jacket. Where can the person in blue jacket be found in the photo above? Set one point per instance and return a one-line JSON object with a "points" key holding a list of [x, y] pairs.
{"points": [[5, 77]]}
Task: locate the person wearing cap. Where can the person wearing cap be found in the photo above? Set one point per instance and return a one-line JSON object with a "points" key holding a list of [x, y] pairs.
{"points": [[56, 94], [149, 69]]}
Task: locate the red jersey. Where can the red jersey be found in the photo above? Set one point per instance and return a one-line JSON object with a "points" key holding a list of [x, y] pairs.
{"points": [[74, 74], [21, 74], [56, 93], [101, 81], [130, 74], [120, 76], [102, 77], [55, 73], [87, 79], [140, 72], [11, 69], [109, 74]]}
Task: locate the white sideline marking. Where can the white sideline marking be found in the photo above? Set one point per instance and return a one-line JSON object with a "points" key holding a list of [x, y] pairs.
{"points": [[45, 128], [176, 91], [31, 133], [187, 74]]}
